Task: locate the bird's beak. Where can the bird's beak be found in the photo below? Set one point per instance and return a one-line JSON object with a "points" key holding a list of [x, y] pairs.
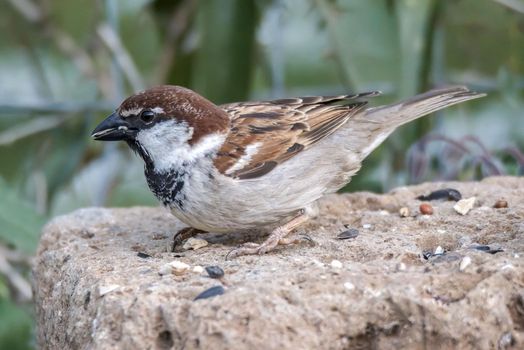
{"points": [[113, 128]]}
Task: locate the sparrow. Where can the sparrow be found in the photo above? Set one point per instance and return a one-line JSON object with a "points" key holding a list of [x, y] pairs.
{"points": [[261, 164]]}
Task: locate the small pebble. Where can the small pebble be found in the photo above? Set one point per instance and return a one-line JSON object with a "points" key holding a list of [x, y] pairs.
{"points": [[500, 204], [447, 193], [426, 209], [215, 271], [439, 251], [103, 290], [466, 261], [143, 255], [165, 269], [198, 269], [194, 243], [351, 233], [403, 212], [349, 286], [366, 226], [211, 292], [177, 267], [336, 264], [463, 206]]}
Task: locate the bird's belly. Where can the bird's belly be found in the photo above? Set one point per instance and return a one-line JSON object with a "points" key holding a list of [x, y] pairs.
{"points": [[229, 205], [237, 211]]}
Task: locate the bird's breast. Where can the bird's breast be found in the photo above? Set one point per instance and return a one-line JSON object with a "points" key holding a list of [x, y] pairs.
{"points": [[168, 186]]}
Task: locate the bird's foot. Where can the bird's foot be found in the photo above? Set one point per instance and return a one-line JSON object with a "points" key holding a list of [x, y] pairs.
{"points": [[277, 237], [182, 235]]}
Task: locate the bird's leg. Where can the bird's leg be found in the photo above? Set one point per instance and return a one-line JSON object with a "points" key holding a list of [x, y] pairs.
{"points": [[277, 236], [182, 235]]}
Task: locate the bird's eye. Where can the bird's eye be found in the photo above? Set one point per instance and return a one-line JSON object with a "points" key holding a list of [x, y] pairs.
{"points": [[147, 116]]}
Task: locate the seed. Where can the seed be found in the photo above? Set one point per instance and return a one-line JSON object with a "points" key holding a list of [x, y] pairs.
{"points": [[215, 271], [448, 193], [351, 233], [426, 209], [501, 203], [211, 292]]}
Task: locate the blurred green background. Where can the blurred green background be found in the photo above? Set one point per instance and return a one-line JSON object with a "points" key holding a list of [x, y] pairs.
{"points": [[66, 64]]}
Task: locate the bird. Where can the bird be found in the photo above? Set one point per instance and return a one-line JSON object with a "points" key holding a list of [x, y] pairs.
{"points": [[251, 165]]}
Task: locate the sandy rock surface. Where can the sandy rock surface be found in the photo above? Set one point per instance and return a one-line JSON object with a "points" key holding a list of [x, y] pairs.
{"points": [[106, 279]]}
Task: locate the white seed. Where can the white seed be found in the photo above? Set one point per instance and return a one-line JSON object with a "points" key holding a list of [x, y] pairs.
{"points": [[464, 263], [404, 212]]}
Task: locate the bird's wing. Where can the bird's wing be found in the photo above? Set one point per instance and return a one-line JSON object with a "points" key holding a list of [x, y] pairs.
{"points": [[264, 134]]}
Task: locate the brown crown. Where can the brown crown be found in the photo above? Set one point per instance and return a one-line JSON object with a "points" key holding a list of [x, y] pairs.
{"points": [[183, 105]]}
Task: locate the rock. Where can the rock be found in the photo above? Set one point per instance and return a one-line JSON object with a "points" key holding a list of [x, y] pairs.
{"points": [[463, 206], [194, 243], [385, 296]]}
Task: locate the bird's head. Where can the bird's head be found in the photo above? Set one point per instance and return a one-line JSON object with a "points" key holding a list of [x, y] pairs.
{"points": [[162, 121]]}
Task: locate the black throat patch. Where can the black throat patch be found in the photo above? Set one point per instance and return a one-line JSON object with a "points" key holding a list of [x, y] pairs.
{"points": [[168, 186]]}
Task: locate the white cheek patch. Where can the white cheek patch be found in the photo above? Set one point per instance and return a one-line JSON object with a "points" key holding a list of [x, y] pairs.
{"points": [[128, 112], [167, 143], [251, 150]]}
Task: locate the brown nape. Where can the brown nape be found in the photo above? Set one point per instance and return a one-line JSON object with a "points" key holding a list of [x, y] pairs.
{"points": [[183, 105]]}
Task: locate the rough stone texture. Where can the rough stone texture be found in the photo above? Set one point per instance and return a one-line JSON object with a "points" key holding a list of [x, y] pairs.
{"points": [[94, 292]]}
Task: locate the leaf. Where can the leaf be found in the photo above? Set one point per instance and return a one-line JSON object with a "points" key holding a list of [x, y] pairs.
{"points": [[414, 18], [365, 39], [225, 57], [15, 327], [20, 224]]}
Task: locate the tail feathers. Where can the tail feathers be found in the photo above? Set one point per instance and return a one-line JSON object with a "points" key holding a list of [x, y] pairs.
{"points": [[420, 105], [366, 131]]}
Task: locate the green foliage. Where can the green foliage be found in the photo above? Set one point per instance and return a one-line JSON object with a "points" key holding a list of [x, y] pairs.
{"points": [[226, 55], [15, 326], [20, 224]]}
